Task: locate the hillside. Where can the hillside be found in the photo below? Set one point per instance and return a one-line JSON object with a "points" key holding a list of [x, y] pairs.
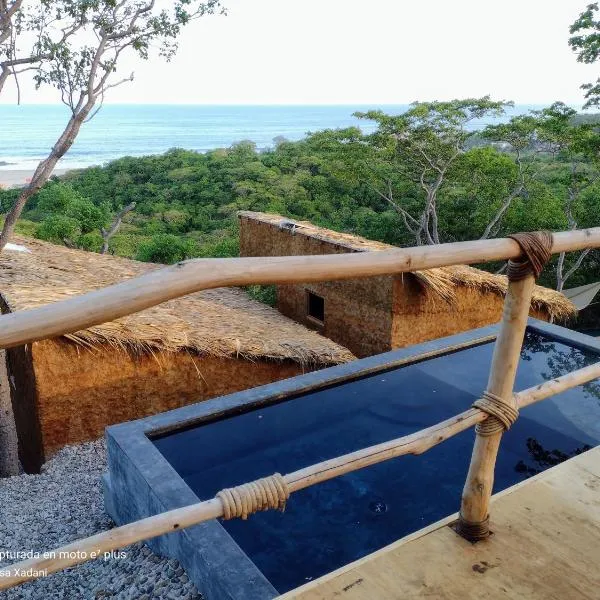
{"points": [[186, 202]]}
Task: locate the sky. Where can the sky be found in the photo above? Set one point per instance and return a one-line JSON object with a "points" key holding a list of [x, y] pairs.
{"points": [[363, 52]]}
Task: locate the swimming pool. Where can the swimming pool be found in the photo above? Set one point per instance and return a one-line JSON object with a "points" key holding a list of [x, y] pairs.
{"points": [[288, 425]]}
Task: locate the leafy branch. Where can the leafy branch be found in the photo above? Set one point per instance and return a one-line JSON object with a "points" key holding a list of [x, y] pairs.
{"points": [[82, 71]]}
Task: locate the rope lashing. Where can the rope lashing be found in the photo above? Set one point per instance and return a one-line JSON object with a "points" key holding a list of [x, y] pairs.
{"points": [[537, 250], [473, 532], [502, 414], [263, 494]]}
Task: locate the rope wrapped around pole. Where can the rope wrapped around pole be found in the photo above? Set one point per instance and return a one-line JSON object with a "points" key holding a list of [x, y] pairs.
{"points": [[263, 494], [502, 413], [537, 251]]}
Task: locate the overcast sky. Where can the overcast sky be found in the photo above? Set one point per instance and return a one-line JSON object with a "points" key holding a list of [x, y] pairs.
{"points": [[365, 52]]}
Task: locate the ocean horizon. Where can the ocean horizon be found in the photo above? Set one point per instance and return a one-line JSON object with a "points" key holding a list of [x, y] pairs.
{"points": [[28, 132]]}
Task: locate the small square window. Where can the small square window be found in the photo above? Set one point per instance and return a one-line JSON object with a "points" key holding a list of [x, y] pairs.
{"points": [[315, 307]]}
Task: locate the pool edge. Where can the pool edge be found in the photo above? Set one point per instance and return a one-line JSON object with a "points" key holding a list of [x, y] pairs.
{"points": [[142, 483]]}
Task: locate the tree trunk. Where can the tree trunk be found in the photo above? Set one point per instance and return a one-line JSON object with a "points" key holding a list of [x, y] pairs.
{"points": [[434, 221], [560, 266], [106, 235], [501, 212], [430, 220], [4, 74], [9, 449], [44, 171]]}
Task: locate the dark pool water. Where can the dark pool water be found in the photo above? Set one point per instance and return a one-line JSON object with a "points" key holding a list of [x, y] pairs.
{"points": [[331, 524]]}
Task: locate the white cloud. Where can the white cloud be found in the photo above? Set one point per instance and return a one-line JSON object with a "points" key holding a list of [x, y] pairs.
{"points": [[351, 52]]}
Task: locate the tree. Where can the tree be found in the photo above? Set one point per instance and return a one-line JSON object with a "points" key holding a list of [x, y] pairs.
{"points": [[82, 71], [577, 147], [557, 161], [39, 19], [54, 198], [167, 249], [66, 214], [585, 41], [484, 185], [9, 15], [423, 144], [519, 134], [59, 229]]}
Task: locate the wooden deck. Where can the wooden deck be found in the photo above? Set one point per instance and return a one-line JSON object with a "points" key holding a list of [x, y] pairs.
{"points": [[546, 545]]}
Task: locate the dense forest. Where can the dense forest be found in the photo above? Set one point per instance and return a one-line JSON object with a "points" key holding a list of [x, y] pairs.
{"points": [[426, 176]]}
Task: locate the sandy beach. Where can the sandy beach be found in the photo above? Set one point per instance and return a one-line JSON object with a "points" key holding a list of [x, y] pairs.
{"points": [[14, 177]]}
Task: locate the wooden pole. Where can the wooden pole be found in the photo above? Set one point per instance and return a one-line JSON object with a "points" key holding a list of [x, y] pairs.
{"points": [[96, 546], [133, 295], [556, 386], [477, 492]]}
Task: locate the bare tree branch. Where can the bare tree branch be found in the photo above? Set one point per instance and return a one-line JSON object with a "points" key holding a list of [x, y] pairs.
{"points": [[582, 256], [516, 191], [107, 234]]}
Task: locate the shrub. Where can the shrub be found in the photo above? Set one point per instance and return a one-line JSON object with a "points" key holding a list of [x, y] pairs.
{"points": [[223, 248], [167, 249], [125, 244], [263, 293], [54, 198], [92, 242], [90, 216], [58, 228]]}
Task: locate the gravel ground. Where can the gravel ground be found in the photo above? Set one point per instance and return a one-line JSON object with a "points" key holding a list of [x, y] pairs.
{"points": [[64, 503]]}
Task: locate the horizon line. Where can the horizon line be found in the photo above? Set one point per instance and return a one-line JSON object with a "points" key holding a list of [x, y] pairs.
{"points": [[282, 104]]}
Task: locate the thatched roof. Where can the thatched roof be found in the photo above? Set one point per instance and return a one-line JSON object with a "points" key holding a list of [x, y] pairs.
{"points": [[441, 283], [224, 322]]}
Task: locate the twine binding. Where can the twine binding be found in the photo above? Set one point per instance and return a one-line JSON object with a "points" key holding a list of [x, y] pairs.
{"points": [[502, 414], [263, 494], [537, 250], [471, 531]]}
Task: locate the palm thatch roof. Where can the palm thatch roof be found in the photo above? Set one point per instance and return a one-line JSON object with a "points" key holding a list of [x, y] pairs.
{"points": [[222, 322], [439, 284]]}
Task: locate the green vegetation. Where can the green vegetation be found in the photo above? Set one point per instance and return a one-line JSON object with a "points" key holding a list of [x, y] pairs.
{"points": [[166, 248], [585, 41], [422, 177]]}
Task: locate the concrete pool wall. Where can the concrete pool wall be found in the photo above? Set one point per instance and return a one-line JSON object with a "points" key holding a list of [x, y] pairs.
{"points": [[141, 482]]}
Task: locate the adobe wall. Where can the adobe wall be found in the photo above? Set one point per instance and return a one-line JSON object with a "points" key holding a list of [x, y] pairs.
{"points": [[357, 312], [417, 319], [374, 315], [69, 394]]}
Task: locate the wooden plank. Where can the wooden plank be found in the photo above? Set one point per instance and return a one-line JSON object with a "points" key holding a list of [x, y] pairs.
{"points": [[545, 545]]}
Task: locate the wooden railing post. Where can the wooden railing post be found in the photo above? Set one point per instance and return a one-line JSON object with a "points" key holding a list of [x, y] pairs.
{"points": [[473, 521]]}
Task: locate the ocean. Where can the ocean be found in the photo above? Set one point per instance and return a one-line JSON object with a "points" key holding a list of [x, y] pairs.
{"points": [[28, 132]]}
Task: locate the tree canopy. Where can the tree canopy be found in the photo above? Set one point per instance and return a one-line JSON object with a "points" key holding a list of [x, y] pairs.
{"points": [[585, 41]]}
